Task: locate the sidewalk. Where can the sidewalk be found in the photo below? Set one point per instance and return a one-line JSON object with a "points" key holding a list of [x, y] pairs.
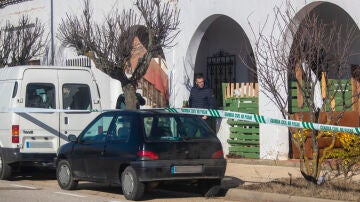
{"points": [[247, 171], [250, 171]]}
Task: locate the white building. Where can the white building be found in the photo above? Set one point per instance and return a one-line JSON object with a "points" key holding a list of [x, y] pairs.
{"points": [[208, 28]]}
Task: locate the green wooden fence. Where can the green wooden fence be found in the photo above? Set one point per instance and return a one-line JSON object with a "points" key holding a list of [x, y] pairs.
{"points": [[244, 136], [343, 96]]}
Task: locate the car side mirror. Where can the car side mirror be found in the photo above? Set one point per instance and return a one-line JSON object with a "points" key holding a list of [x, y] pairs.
{"points": [[72, 138]]}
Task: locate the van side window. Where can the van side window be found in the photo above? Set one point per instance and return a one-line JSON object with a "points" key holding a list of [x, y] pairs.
{"points": [[40, 95], [15, 89], [76, 97]]}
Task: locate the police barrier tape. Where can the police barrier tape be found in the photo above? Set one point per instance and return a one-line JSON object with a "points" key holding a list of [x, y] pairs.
{"points": [[43, 110], [212, 113], [263, 119]]}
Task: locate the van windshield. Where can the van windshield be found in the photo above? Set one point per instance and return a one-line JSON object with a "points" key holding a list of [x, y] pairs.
{"points": [[40, 95], [175, 128]]}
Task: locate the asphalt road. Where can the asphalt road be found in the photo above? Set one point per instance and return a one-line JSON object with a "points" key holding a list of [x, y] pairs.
{"points": [[34, 184]]}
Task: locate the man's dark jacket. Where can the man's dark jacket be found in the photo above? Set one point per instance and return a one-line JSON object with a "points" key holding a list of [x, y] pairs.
{"points": [[120, 102], [202, 98]]}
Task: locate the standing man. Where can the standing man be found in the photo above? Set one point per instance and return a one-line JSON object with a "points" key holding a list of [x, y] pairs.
{"points": [[120, 102], [201, 96]]}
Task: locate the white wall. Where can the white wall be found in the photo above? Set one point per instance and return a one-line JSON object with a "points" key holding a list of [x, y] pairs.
{"points": [[195, 17]]}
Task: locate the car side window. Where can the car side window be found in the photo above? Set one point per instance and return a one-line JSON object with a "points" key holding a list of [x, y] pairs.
{"points": [[40, 95], [122, 130], [98, 130]]}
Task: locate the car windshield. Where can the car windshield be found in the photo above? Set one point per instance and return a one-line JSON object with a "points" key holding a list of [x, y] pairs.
{"points": [[175, 128]]}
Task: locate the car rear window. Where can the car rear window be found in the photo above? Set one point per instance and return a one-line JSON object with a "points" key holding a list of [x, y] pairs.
{"points": [[175, 128]]}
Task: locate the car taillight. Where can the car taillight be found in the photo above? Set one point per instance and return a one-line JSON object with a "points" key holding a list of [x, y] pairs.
{"points": [[147, 155], [15, 134], [218, 154]]}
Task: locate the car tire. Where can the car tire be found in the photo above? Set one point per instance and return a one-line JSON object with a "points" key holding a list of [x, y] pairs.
{"points": [[210, 188], [132, 188], [64, 176], [5, 169]]}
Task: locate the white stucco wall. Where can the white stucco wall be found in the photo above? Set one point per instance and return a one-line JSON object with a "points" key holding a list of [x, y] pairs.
{"points": [[195, 17]]}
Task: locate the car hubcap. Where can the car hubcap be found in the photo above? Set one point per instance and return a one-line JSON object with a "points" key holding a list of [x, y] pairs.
{"points": [[128, 184], [64, 174]]}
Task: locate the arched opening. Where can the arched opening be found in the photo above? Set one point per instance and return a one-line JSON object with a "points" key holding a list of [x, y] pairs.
{"points": [[325, 52], [324, 65], [221, 51]]}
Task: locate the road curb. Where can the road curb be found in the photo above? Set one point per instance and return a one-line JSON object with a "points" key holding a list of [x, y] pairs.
{"points": [[285, 163], [236, 194]]}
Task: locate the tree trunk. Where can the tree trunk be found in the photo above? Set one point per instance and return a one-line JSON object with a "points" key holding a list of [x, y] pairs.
{"points": [[130, 97]]}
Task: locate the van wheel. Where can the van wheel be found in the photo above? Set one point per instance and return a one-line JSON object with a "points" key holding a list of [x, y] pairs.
{"points": [[64, 176], [132, 188], [210, 188], [5, 169]]}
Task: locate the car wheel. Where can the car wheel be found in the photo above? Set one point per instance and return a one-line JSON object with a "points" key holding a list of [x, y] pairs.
{"points": [[210, 188], [5, 169], [64, 176], [132, 188]]}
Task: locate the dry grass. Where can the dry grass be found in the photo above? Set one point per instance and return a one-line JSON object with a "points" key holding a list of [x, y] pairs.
{"points": [[335, 190]]}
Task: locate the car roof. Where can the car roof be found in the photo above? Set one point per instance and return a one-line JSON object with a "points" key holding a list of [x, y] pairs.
{"points": [[143, 112], [17, 72]]}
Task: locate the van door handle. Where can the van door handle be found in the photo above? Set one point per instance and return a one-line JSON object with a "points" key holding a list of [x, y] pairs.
{"points": [[66, 120]]}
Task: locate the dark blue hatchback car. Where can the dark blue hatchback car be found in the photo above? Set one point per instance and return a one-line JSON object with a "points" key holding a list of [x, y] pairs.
{"points": [[142, 148]]}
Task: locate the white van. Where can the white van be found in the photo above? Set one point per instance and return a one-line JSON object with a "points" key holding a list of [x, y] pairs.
{"points": [[34, 137]]}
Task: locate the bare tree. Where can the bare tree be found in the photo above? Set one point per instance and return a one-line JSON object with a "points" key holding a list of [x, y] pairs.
{"points": [[22, 42], [5, 44], [306, 49], [111, 44]]}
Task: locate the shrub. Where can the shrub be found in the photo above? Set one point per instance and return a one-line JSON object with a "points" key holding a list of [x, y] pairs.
{"points": [[346, 159]]}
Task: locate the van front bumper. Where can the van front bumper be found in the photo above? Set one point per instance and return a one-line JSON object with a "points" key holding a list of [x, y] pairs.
{"points": [[13, 155]]}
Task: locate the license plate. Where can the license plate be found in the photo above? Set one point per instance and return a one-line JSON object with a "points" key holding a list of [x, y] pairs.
{"points": [[187, 169], [39, 145]]}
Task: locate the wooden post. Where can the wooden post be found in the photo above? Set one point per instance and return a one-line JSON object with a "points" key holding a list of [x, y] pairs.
{"points": [[298, 75], [333, 105], [355, 85], [228, 90], [354, 90], [323, 90], [232, 89], [251, 86], [237, 88], [248, 90], [242, 89], [323, 84], [256, 90]]}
